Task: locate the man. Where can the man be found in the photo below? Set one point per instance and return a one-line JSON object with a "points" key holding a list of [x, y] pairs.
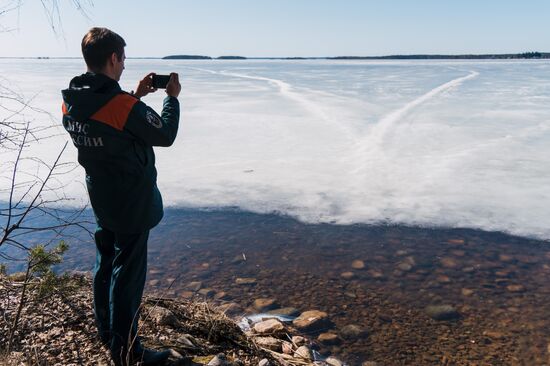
{"points": [[114, 133]]}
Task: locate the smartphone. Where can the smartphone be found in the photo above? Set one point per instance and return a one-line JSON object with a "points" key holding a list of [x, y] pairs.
{"points": [[160, 81]]}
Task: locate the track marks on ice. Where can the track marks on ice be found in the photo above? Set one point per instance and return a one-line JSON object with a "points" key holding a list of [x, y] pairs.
{"points": [[378, 132], [286, 89]]}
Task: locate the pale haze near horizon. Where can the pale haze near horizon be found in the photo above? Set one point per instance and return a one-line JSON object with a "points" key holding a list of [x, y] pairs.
{"points": [[285, 27]]}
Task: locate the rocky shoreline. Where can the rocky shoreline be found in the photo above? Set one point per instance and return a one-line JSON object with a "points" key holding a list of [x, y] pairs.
{"points": [[60, 330], [393, 295]]}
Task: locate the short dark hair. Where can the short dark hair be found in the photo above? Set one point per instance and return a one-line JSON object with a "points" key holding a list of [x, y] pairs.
{"points": [[98, 45]]}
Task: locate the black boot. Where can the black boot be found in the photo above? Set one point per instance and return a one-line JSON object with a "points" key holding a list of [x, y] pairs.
{"points": [[148, 357]]}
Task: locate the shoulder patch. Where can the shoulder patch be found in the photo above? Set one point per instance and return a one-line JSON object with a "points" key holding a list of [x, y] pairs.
{"points": [[153, 119], [115, 112]]}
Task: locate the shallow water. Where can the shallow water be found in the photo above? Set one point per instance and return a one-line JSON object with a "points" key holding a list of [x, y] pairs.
{"points": [[497, 283]]}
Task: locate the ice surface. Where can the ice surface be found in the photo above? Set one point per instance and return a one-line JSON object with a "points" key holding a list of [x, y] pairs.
{"points": [[432, 143]]}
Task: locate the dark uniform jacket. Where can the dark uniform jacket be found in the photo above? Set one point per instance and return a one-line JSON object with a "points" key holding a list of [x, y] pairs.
{"points": [[114, 133]]}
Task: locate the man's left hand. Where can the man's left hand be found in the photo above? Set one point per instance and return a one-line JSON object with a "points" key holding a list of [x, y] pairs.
{"points": [[145, 86]]}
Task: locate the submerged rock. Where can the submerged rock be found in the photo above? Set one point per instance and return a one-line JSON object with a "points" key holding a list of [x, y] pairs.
{"points": [[194, 286], [262, 305], [311, 320], [245, 281], [442, 312], [357, 264], [449, 262], [347, 275], [328, 338], [467, 292], [515, 288], [352, 331], [288, 311], [207, 292]]}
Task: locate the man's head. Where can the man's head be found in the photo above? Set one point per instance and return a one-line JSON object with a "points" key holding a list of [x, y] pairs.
{"points": [[103, 51]]}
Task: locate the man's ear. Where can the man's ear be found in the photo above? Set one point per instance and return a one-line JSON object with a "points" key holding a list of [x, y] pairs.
{"points": [[114, 59]]}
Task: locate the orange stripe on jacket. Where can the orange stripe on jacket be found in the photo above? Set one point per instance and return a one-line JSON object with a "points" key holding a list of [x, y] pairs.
{"points": [[116, 111], [64, 109]]}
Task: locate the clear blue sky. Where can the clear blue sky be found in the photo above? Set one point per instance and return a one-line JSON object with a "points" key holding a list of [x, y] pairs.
{"points": [[287, 27]]}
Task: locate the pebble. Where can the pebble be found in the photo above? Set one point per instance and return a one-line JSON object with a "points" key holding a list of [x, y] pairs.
{"points": [[405, 267], [310, 320], [194, 286], [505, 258], [442, 312], [264, 304], [352, 331], [515, 288], [264, 362], [332, 361], [298, 340], [219, 360], [188, 340], [448, 262], [162, 316], [186, 294], [357, 264], [347, 275], [443, 279], [369, 363], [153, 282], [303, 352], [289, 311], [269, 326], [207, 292], [328, 338], [245, 281], [375, 273], [222, 295], [494, 334], [467, 291], [287, 348], [270, 343], [527, 259], [455, 241]]}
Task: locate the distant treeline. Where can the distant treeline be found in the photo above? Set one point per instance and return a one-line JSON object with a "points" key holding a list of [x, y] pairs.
{"points": [[525, 55], [505, 56], [197, 57]]}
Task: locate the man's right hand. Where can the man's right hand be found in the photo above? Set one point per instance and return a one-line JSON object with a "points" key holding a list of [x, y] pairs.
{"points": [[173, 87]]}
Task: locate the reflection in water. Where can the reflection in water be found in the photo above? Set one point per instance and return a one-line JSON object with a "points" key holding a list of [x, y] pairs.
{"points": [[388, 281]]}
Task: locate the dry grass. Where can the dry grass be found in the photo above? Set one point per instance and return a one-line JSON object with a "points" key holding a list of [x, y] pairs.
{"points": [[61, 329]]}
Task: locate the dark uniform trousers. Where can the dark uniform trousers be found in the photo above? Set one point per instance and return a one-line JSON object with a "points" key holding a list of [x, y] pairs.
{"points": [[119, 279]]}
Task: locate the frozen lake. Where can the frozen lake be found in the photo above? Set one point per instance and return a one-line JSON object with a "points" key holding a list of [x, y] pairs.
{"points": [[429, 143]]}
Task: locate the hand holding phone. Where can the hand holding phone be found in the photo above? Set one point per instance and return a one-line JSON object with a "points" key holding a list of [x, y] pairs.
{"points": [[173, 87], [145, 86]]}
